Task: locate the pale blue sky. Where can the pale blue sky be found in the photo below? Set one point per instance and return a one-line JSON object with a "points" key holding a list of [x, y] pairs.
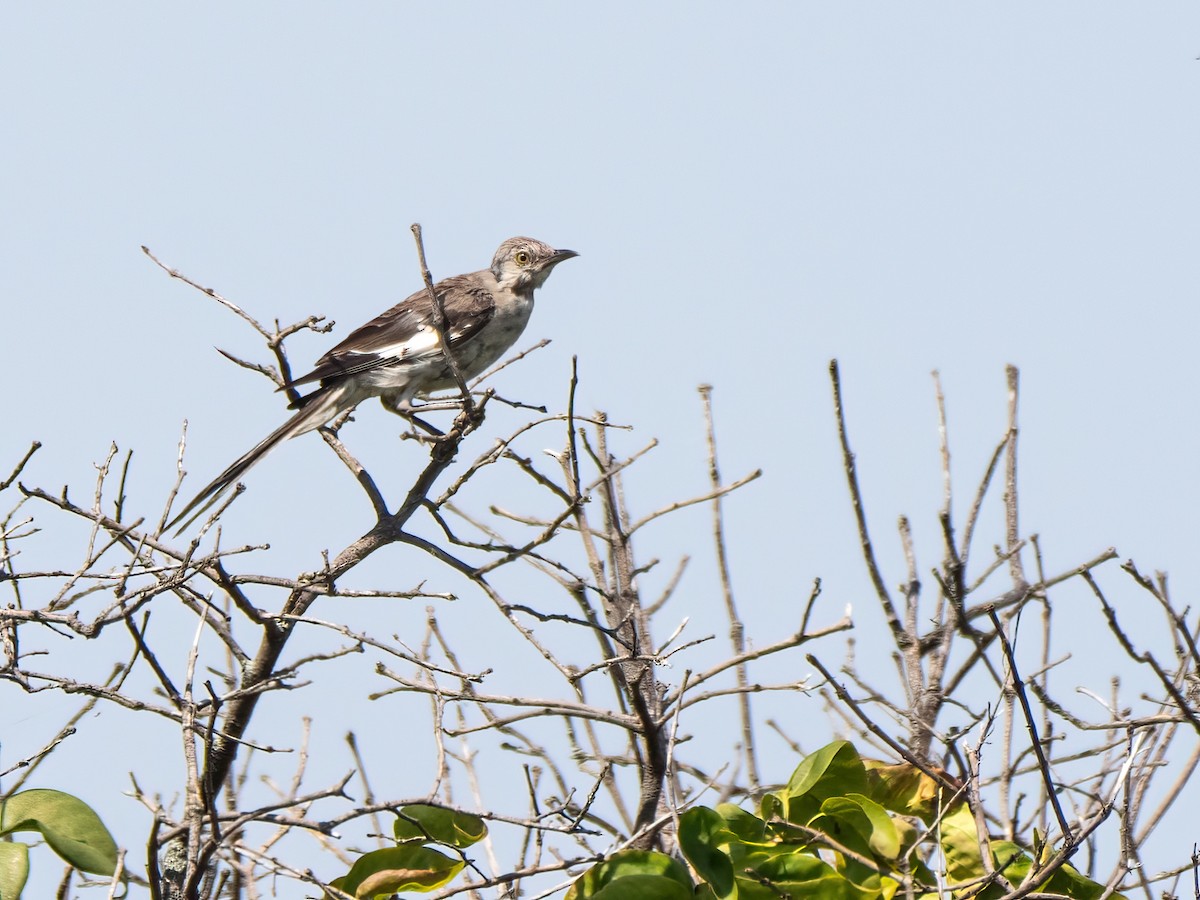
{"points": [[753, 190]]}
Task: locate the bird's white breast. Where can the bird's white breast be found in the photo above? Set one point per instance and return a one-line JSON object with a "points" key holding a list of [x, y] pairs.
{"points": [[495, 338]]}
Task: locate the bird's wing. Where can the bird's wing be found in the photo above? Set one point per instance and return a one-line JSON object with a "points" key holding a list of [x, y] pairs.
{"points": [[405, 332]]}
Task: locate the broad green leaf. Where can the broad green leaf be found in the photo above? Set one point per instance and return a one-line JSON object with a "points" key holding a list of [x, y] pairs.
{"points": [[1011, 860], [382, 873], [844, 821], [771, 874], [883, 838], [14, 868], [746, 827], [704, 839], [422, 823], [1068, 880], [960, 844], [833, 771], [69, 826], [625, 865], [905, 789], [775, 806], [643, 887], [906, 833]]}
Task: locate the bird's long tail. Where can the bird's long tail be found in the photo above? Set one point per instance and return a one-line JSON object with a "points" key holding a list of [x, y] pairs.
{"points": [[322, 407]]}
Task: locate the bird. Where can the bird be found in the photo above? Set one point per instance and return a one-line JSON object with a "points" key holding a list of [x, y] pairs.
{"points": [[398, 356]]}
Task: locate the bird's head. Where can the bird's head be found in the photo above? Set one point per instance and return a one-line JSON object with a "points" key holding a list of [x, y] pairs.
{"points": [[523, 264]]}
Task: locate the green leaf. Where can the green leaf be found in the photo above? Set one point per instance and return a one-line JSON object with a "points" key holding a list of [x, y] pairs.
{"points": [[780, 872], [69, 825], [1068, 880], [14, 869], [704, 838], [843, 821], [960, 844], [905, 789], [644, 887], [774, 806], [746, 827], [1011, 860], [883, 837], [833, 771], [382, 873], [630, 867], [422, 823]]}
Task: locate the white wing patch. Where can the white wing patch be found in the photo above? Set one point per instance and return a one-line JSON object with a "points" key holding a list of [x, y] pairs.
{"points": [[419, 344]]}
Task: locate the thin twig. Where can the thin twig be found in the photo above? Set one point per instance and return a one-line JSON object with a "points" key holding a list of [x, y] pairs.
{"points": [[1031, 725]]}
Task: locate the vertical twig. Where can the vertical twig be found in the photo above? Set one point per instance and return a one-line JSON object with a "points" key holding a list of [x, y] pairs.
{"points": [[572, 440], [943, 441], [921, 692], [975, 801], [1031, 725], [860, 515], [439, 322], [1012, 533], [1047, 722], [737, 629]]}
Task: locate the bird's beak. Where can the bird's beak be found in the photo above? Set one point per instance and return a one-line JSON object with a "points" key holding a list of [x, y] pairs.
{"points": [[559, 256]]}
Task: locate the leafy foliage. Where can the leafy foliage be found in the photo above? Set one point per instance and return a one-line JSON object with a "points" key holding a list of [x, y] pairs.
{"points": [[843, 828], [410, 865], [70, 827]]}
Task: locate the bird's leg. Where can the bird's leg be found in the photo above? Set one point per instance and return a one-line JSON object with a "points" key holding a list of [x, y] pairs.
{"points": [[406, 410], [395, 403], [403, 407], [435, 434]]}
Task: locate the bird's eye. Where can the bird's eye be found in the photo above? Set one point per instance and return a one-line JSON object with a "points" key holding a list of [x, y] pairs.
{"points": [[522, 257]]}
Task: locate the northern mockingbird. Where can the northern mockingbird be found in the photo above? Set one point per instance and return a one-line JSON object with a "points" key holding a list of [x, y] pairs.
{"points": [[397, 355]]}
